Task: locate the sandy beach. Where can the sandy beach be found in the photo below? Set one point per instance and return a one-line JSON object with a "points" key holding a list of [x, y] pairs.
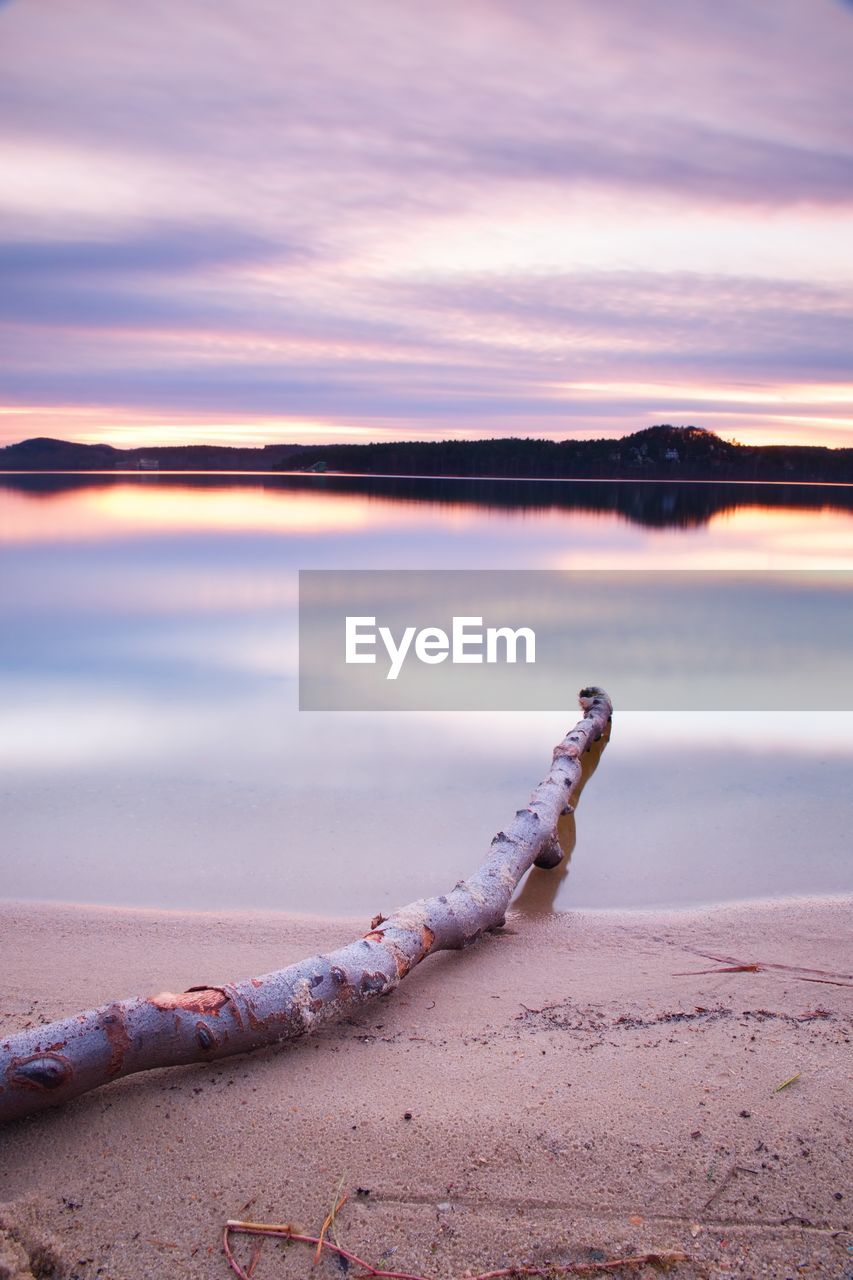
{"points": [[564, 1091]]}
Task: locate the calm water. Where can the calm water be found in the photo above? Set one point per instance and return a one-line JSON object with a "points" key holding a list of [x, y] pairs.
{"points": [[152, 752]]}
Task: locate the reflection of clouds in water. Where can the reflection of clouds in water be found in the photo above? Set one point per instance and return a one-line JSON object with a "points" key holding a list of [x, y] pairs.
{"points": [[153, 708], [763, 731], [150, 586], [118, 799], [266, 649], [503, 735], [430, 524], [113, 510], [72, 730], [747, 538]]}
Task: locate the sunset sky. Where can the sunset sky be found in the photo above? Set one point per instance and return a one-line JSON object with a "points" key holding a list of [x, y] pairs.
{"points": [[268, 221]]}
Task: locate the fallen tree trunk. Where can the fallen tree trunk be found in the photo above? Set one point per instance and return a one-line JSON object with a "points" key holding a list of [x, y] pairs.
{"points": [[48, 1065]]}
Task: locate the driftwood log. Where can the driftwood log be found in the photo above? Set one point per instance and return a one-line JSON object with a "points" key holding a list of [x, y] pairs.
{"points": [[48, 1065]]}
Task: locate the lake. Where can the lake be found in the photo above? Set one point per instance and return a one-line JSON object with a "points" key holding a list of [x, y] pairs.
{"points": [[153, 753]]}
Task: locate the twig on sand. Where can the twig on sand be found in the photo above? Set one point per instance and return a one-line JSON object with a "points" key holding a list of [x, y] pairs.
{"points": [[339, 1201], [725, 1180], [731, 965], [287, 1232], [255, 1258], [546, 1008]]}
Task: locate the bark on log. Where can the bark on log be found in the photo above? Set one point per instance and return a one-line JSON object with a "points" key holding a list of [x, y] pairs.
{"points": [[49, 1065]]}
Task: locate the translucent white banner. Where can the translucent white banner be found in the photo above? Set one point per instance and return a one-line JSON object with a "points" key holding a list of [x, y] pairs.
{"points": [[527, 641]]}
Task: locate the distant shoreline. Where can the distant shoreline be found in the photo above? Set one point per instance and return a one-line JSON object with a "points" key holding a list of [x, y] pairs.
{"points": [[658, 453], [135, 473]]}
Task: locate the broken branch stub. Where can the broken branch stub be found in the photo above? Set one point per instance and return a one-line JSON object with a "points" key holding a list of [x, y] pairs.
{"points": [[48, 1065]]}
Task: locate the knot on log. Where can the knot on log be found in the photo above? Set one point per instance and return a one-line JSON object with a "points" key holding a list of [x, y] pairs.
{"points": [[206, 1039], [41, 1071], [551, 856], [374, 983]]}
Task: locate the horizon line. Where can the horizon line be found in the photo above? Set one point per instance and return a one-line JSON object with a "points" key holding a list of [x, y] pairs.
{"points": [[441, 440]]}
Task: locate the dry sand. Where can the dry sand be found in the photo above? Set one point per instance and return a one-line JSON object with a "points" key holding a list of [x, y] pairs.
{"points": [[570, 1098]]}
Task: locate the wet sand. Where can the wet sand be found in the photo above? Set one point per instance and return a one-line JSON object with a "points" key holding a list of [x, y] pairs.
{"points": [[573, 1095]]}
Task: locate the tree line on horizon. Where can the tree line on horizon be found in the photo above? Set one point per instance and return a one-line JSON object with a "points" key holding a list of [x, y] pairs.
{"points": [[659, 452]]}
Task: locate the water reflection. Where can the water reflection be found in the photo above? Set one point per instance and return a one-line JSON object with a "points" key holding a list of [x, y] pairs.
{"points": [[203, 522], [153, 753], [652, 504]]}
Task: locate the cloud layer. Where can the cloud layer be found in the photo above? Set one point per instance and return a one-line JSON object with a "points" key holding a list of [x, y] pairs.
{"points": [[276, 221]]}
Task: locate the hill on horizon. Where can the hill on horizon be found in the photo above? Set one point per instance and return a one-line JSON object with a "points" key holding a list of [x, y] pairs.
{"points": [[662, 452]]}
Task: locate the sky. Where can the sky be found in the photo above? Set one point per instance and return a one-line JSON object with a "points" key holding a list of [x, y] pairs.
{"points": [[269, 221]]}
